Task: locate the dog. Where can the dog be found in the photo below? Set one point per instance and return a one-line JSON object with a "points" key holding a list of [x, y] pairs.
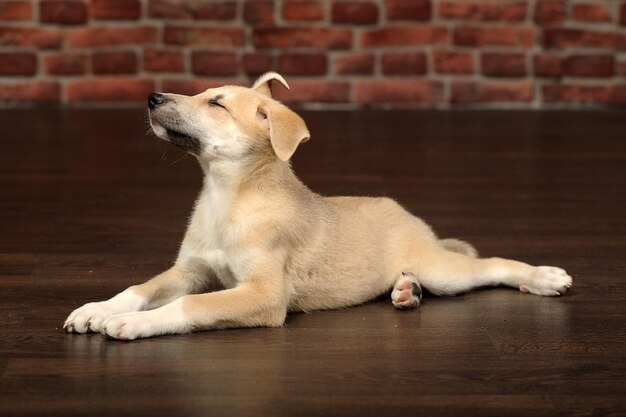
{"points": [[260, 244]]}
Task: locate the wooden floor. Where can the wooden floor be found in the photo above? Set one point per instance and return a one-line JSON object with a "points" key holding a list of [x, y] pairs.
{"points": [[89, 205]]}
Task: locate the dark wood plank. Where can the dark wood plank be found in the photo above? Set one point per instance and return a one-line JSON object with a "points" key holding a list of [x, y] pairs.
{"points": [[89, 205]]}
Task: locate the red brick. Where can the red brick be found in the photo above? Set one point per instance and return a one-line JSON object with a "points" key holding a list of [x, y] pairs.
{"points": [[565, 37], [186, 87], [408, 9], [214, 63], [576, 38], [322, 38], [115, 9], [589, 65], [257, 63], [33, 92], [404, 63], [549, 11], [398, 91], [496, 36], [503, 64], [195, 86], [307, 10], [31, 37], [590, 13], [16, 10], [18, 63], [163, 60], [405, 35], [65, 12], [483, 11], [354, 12], [354, 64], [216, 37], [183, 9], [453, 62], [606, 94], [546, 65], [109, 90], [463, 92], [111, 35], [622, 14], [621, 68], [65, 64], [118, 62], [617, 95], [303, 64], [314, 92], [258, 11]]}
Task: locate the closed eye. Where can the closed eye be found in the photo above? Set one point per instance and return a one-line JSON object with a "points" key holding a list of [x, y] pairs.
{"points": [[216, 103]]}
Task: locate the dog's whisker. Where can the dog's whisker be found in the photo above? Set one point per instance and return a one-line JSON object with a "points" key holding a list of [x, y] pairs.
{"points": [[179, 159]]}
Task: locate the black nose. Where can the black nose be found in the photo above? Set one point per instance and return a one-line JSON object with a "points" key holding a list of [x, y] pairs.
{"points": [[155, 99]]}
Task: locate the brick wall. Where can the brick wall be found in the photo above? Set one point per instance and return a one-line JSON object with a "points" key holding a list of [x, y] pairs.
{"points": [[429, 53]]}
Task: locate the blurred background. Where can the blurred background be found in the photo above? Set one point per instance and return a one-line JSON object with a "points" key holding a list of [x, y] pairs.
{"points": [[335, 54]]}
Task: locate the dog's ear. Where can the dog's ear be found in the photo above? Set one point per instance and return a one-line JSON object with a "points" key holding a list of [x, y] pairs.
{"points": [[263, 84], [286, 129]]}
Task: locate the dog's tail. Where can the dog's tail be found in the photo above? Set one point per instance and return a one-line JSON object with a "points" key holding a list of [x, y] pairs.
{"points": [[459, 246]]}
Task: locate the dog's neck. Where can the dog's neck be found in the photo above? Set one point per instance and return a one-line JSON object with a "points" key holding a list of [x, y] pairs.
{"points": [[226, 178]]}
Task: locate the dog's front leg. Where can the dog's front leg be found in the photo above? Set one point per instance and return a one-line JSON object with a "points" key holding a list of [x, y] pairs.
{"points": [[158, 291], [256, 302]]}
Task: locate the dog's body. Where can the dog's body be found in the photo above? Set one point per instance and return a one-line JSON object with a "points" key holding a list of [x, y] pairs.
{"points": [[260, 243]]}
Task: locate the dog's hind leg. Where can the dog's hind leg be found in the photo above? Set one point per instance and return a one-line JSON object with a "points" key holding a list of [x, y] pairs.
{"points": [[443, 272], [459, 246]]}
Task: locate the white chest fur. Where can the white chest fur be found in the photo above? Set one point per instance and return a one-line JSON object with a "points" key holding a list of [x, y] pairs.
{"points": [[206, 242]]}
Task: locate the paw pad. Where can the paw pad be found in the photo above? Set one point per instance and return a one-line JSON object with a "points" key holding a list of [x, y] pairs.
{"points": [[406, 293]]}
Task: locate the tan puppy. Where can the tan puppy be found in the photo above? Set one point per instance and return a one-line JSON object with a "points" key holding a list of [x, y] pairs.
{"points": [[261, 244]]}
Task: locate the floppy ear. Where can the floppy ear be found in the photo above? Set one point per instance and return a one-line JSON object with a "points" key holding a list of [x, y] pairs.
{"points": [[264, 83], [286, 129]]}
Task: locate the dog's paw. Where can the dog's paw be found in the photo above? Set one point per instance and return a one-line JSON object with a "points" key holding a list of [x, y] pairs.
{"points": [[128, 326], [406, 293], [88, 317], [547, 280], [168, 319]]}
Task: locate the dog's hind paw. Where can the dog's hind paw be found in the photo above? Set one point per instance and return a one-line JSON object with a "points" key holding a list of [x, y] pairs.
{"points": [[547, 281], [406, 293]]}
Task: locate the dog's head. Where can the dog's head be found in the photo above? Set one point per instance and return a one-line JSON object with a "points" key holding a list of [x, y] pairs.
{"points": [[229, 122]]}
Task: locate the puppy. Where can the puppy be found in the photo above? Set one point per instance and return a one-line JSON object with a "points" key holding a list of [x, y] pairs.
{"points": [[261, 244]]}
